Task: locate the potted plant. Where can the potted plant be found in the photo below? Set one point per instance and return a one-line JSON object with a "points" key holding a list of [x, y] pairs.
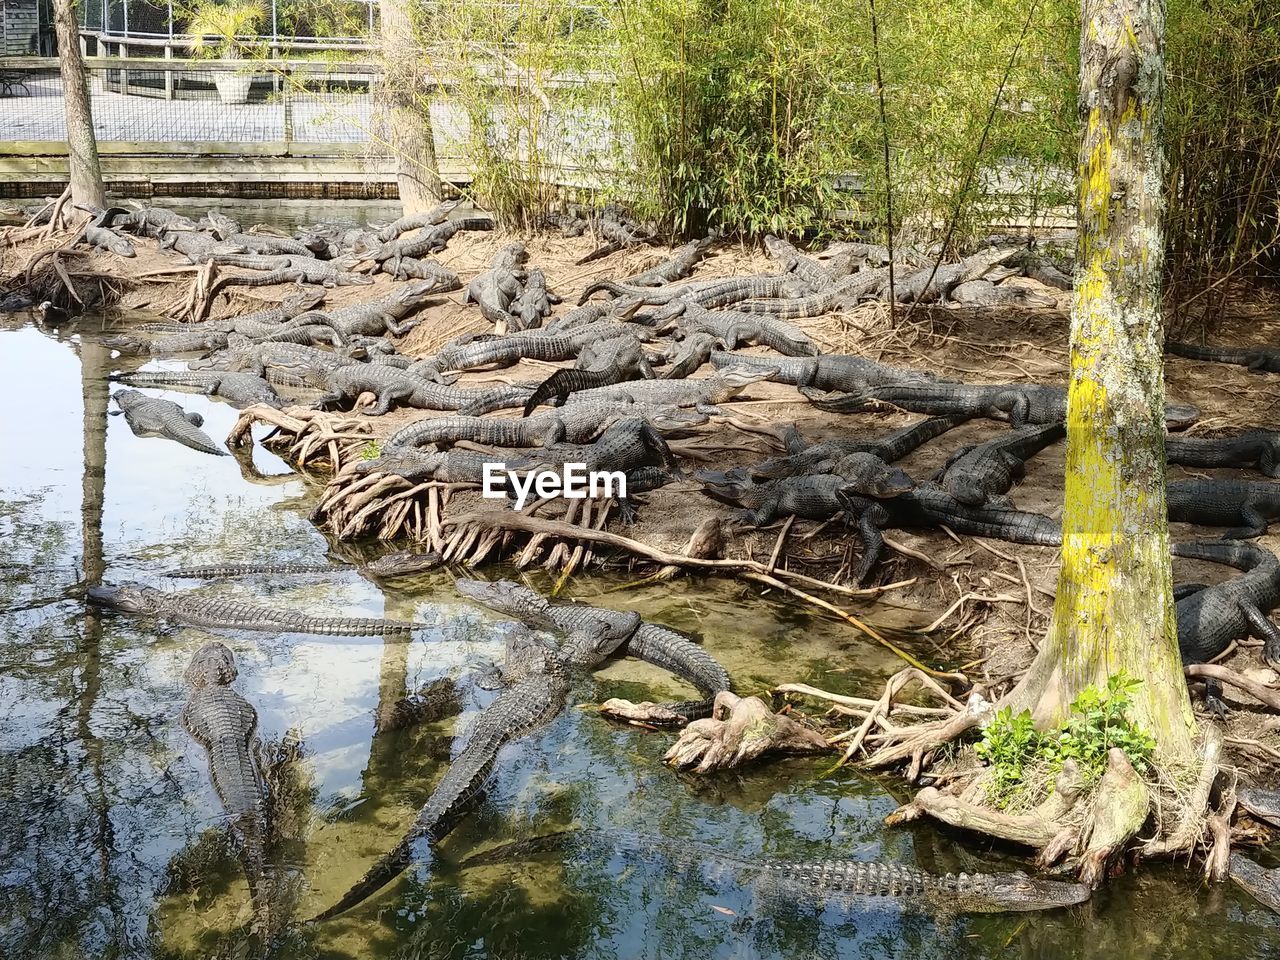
{"points": [[215, 30]]}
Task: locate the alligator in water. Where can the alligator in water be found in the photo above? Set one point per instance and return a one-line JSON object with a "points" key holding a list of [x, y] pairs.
{"points": [[1245, 506], [1019, 403], [826, 881], [153, 417], [822, 457], [401, 563], [1257, 359], [536, 679], [1259, 882], [231, 614], [650, 642], [1210, 618], [1252, 448], [986, 472], [224, 723]]}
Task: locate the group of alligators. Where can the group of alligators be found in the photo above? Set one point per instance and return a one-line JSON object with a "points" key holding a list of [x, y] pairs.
{"points": [[631, 389]]}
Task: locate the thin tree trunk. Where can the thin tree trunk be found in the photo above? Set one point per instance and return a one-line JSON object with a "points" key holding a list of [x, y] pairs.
{"points": [[1114, 608], [404, 106], [86, 173]]}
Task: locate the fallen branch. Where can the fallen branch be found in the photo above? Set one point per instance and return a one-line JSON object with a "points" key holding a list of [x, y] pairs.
{"points": [[1258, 691]]}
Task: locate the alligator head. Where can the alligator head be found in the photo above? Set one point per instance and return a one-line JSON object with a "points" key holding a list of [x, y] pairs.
{"points": [[295, 303], [867, 475], [594, 642], [129, 597], [492, 593], [402, 563], [1179, 416], [213, 666], [1012, 892], [742, 376]]}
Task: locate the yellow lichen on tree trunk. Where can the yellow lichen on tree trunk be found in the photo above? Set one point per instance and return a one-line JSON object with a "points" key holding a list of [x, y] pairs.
{"points": [[1114, 608]]}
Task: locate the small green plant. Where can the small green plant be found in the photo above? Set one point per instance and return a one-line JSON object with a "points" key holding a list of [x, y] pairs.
{"points": [[1024, 760], [371, 450]]}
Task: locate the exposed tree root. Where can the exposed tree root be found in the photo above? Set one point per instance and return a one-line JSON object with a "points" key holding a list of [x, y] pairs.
{"points": [[642, 714], [740, 729]]}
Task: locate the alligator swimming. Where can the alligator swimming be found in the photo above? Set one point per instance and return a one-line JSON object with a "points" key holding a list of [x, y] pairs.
{"points": [[825, 881], [986, 472], [1210, 618], [401, 563], [650, 642], [536, 679], [1256, 448], [1257, 359], [231, 614], [822, 457], [1246, 506], [224, 723], [153, 417]]}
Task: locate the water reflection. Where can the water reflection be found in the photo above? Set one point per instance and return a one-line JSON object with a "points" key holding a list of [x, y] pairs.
{"points": [[112, 841]]}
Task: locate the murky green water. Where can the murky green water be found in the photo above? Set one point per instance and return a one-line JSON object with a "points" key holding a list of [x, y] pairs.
{"points": [[110, 832]]}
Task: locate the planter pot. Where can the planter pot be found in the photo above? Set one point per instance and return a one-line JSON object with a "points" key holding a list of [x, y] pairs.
{"points": [[233, 87]]}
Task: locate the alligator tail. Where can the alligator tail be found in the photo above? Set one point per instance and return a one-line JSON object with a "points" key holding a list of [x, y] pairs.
{"points": [[379, 875], [1237, 553], [1193, 351]]}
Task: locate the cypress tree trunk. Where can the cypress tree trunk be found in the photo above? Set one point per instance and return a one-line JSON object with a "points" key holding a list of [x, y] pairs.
{"points": [[405, 112], [86, 173], [1114, 606]]}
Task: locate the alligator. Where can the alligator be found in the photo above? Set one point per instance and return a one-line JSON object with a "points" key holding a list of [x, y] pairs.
{"points": [[239, 389], [278, 362], [219, 224], [225, 723], [735, 328], [98, 234], [930, 506], [534, 302], [401, 563], [986, 472], [1257, 448], [299, 271], [703, 394], [629, 443], [269, 263], [676, 267], [451, 466], [155, 222], [413, 268], [497, 288], [193, 340], [650, 642], [984, 293], [826, 882], [827, 372], [153, 417], [712, 294], [1245, 506], [231, 614], [811, 271], [432, 701], [267, 246], [812, 497], [934, 282], [503, 351], [198, 248], [381, 315], [600, 364], [579, 423], [228, 571], [1257, 359], [392, 385], [1210, 618], [822, 457], [536, 678], [1259, 882], [845, 292], [1261, 803], [431, 239], [417, 221]]}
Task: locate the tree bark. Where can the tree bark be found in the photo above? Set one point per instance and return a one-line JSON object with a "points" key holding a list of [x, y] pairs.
{"points": [[82, 146], [1114, 608], [405, 109]]}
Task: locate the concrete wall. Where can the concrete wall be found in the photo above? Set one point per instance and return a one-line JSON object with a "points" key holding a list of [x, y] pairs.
{"points": [[19, 21]]}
